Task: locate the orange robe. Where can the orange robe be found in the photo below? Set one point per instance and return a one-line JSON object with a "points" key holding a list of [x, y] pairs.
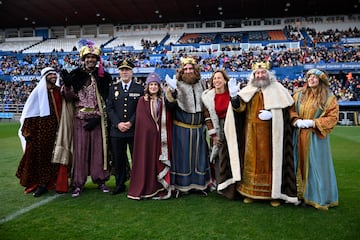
{"points": [[257, 171], [261, 151]]}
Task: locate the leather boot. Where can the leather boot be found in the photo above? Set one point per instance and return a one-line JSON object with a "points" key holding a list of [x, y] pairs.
{"points": [[120, 186], [40, 191], [118, 189]]}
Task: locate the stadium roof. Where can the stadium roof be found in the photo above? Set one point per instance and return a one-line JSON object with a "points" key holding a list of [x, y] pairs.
{"points": [[46, 13]]}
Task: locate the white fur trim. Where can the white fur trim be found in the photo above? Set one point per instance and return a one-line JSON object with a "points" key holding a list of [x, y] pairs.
{"points": [[225, 184], [288, 199], [277, 151], [189, 97], [169, 96], [231, 138], [208, 98], [275, 95], [212, 131]]}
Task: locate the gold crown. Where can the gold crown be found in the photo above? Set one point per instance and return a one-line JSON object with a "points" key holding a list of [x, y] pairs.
{"points": [[87, 50], [187, 60], [257, 65]]}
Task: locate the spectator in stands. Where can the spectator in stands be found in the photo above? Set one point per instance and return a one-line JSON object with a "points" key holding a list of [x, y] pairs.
{"points": [[121, 108], [315, 113], [39, 124], [278, 55], [216, 100], [190, 168], [150, 174], [88, 87], [259, 139]]}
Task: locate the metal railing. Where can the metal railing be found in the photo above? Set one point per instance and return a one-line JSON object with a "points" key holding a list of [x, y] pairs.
{"points": [[10, 112], [14, 108]]}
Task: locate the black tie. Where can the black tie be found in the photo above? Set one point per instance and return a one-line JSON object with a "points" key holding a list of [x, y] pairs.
{"points": [[125, 88]]}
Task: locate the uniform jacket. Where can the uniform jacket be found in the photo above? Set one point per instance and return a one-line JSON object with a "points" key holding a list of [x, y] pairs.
{"points": [[121, 106]]}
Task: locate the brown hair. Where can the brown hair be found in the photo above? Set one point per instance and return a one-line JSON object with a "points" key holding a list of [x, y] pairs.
{"points": [[147, 92], [223, 72]]}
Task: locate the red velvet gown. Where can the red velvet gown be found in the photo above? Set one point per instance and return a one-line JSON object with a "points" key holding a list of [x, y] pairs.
{"points": [[150, 173]]}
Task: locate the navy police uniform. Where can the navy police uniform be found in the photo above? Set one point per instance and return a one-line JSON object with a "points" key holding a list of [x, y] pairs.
{"points": [[121, 107]]}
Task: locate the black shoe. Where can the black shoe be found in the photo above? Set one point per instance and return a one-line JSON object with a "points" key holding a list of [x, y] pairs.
{"points": [[40, 191], [119, 189], [199, 192]]}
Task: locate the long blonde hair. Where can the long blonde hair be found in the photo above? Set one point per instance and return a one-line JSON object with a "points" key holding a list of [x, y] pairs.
{"points": [[321, 94]]}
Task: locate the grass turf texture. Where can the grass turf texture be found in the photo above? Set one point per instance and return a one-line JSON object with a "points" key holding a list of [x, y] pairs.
{"points": [[97, 215]]}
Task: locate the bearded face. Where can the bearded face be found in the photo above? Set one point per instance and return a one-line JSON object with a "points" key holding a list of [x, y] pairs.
{"points": [[51, 79], [190, 75], [90, 61], [261, 78], [190, 78]]}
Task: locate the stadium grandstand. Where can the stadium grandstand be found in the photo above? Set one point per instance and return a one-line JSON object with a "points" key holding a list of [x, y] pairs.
{"points": [[293, 36]]}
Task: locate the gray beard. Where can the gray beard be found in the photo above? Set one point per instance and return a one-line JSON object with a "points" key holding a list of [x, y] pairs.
{"points": [[261, 84]]}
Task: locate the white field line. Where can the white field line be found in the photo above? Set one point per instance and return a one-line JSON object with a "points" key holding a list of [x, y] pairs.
{"points": [[29, 208]]}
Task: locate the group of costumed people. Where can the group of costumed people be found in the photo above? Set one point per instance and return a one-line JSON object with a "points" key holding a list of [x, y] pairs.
{"points": [[264, 144]]}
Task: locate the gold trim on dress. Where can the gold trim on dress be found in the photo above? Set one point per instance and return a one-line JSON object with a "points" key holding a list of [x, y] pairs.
{"points": [[185, 125], [86, 109]]}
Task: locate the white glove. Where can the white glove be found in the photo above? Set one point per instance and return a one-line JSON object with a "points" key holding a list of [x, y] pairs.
{"points": [[300, 123], [265, 115], [309, 123], [171, 81], [234, 87]]}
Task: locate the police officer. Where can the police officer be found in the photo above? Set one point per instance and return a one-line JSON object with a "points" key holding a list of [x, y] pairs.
{"points": [[123, 97]]}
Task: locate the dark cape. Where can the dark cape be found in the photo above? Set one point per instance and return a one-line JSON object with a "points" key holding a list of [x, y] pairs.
{"points": [[78, 77], [150, 176]]}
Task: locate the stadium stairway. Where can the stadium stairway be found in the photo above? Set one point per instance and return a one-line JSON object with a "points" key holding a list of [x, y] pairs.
{"points": [[277, 35]]}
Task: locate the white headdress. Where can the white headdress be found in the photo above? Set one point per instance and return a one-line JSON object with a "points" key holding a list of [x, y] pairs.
{"points": [[37, 104]]}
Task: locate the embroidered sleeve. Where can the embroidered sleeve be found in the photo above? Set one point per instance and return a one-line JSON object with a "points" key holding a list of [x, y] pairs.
{"points": [[208, 122], [329, 118]]}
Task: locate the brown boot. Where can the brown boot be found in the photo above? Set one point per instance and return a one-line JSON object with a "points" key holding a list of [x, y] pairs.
{"points": [[275, 203], [248, 200]]}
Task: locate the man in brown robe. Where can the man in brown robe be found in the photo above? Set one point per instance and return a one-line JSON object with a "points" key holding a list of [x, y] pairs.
{"points": [[39, 124], [259, 139]]}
